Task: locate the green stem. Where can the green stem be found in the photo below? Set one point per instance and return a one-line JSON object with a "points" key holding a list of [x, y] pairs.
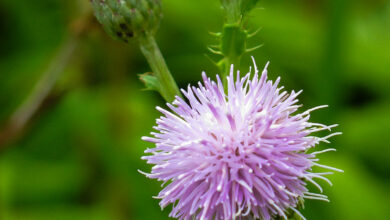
{"points": [[46, 83], [233, 39], [233, 12], [42, 89], [168, 87]]}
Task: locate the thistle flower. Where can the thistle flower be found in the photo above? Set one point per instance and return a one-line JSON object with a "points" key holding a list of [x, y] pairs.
{"points": [[240, 155]]}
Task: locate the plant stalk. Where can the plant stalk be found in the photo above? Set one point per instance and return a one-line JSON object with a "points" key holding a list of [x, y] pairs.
{"points": [[232, 9], [168, 88], [28, 108]]}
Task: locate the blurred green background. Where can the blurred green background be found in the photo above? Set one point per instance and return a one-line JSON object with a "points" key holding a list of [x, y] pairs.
{"points": [[77, 158]]}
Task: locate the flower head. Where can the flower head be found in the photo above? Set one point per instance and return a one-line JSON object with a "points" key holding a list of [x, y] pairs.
{"points": [[237, 155]]}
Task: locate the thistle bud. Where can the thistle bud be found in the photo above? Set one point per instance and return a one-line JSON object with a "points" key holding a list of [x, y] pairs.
{"points": [[124, 19]]}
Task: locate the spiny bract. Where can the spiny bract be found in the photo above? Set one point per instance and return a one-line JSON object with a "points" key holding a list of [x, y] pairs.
{"points": [[240, 155]]}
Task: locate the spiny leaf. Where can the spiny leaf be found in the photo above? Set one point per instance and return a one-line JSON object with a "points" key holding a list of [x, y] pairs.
{"points": [[250, 35], [216, 34], [253, 48], [214, 51]]}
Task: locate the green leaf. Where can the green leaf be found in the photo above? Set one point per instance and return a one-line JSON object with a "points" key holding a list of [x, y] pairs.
{"points": [[150, 81]]}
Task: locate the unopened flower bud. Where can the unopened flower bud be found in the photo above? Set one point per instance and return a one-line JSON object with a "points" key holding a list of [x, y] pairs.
{"points": [[124, 19]]}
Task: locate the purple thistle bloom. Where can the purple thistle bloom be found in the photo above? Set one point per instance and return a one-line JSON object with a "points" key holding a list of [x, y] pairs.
{"points": [[240, 155]]}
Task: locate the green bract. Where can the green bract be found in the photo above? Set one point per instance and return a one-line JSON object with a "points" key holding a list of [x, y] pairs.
{"points": [[124, 19]]}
